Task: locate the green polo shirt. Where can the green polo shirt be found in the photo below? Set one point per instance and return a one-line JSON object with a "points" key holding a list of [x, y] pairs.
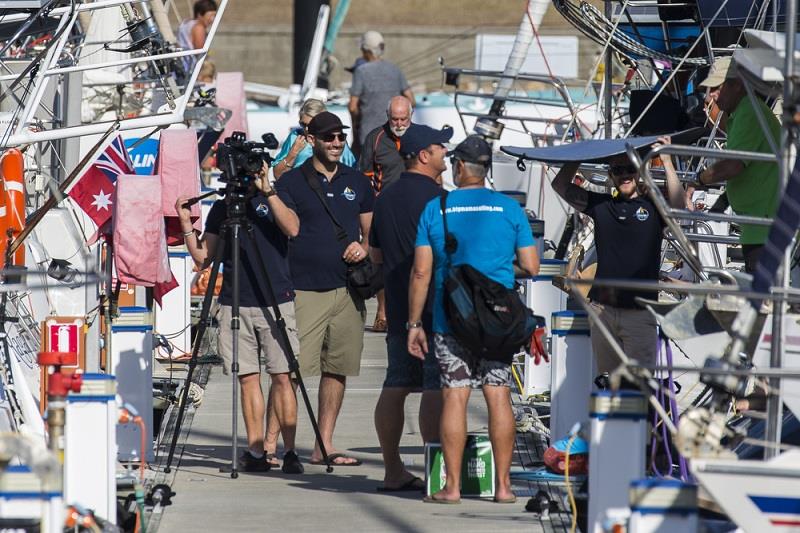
{"points": [[754, 191]]}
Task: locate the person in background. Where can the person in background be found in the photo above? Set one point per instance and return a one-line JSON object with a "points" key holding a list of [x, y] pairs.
{"points": [[374, 84], [296, 149], [381, 161], [208, 73], [752, 187], [628, 235], [192, 32]]}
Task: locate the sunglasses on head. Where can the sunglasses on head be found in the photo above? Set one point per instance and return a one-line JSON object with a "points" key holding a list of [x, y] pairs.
{"points": [[618, 170], [330, 137]]}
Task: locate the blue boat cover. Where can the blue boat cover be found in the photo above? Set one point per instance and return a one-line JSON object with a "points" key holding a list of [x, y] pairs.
{"points": [[596, 150]]}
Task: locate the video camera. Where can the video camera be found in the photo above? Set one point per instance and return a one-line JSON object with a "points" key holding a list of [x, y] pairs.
{"points": [[240, 160]]}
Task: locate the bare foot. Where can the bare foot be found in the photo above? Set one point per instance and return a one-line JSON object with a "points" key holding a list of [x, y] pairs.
{"points": [[444, 496]]}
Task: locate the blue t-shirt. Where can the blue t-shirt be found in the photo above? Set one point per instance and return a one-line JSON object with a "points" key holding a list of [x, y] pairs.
{"points": [[347, 155], [315, 255], [489, 228], [273, 246]]}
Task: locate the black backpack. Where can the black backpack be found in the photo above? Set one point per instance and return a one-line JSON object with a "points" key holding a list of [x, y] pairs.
{"points": [[484, 316]]}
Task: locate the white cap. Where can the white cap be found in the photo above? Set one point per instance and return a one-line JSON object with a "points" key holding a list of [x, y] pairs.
{"points": [[373, 42]]}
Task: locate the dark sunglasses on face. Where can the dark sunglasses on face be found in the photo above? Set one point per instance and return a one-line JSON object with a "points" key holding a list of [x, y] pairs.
{"points": [[623, 170], [330, 137], [303, 125]]}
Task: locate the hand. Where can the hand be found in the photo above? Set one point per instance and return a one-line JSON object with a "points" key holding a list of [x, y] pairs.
{"points": [[354, 253], [417, 343], [261, 180], [664, 140], [298, 145], [184, 213]]}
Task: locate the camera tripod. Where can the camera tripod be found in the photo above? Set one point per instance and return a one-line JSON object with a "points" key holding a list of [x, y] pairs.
{"points": [[235, 222]]}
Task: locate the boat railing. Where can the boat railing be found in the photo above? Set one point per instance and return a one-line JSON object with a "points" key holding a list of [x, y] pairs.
{"points": [[46, 67], [453, 77]]}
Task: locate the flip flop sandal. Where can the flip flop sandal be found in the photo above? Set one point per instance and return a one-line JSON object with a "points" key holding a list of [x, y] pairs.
{"points": [[332, 458], [414, 484], [380, 325], [272, 460], [431, 499]]}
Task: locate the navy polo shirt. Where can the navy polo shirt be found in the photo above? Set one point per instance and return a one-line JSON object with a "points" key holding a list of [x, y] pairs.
{"points": [[394, 231], [315, 255], [273, 246]]}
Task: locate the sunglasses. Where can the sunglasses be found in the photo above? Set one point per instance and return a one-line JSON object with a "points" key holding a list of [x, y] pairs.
{"points": [[303, 125], [620, 170], [330, 137]]}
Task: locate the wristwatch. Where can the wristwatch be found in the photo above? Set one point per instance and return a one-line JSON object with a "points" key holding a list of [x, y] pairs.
{"points": [[412, 325], [271, 192]]}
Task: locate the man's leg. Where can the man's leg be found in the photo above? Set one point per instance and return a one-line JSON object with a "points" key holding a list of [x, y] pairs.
{"points": [[343, 358], [331, 395], [604, 354], [456, 365], [284, 402], [389, 422], [453, 430], [638, 333], [430, 413], [273, 428], [252, 399], [502, 434], [253, 412]]}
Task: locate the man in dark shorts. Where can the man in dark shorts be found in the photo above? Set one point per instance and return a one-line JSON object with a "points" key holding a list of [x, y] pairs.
{"points": [[628, 237], [392, 237]]}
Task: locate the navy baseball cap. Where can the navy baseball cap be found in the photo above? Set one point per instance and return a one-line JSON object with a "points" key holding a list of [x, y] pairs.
{"points": [[418, 137], [325, 122], [473, 149]]}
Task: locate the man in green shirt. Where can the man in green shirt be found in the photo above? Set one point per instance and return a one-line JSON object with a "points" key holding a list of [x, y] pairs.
{"points": [[751, 186]]}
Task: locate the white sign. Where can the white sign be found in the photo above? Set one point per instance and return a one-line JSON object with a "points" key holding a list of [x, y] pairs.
{"points": [[492, 51]]}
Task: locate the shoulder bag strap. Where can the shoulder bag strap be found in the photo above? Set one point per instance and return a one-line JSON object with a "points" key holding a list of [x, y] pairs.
{"points": [[313, 182]]}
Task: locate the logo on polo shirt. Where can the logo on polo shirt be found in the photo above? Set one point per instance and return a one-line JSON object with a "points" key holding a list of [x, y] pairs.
{"points": [[262, 210], [642, 214], [349, 194]]}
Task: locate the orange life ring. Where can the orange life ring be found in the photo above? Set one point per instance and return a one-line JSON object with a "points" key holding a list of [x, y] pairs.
{"points": [[12, 202]]}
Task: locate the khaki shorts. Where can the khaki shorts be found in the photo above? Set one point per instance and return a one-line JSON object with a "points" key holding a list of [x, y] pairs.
{"points": [[331, 330], [634, 330], [258, 333]]}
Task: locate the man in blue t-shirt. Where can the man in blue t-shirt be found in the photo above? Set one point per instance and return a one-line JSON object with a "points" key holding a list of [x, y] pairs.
{"points": [[272, 223], [492, 230]]}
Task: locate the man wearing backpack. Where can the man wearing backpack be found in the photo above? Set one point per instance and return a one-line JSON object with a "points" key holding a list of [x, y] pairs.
{"points": [[491, 231]]}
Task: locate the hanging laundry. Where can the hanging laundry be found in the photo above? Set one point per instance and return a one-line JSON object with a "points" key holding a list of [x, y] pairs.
{"points": [[230, 95], [140, 246], [178, 165]]}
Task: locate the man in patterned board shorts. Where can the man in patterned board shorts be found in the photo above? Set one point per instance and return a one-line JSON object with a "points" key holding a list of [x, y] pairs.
{"points": [[491, 230]]}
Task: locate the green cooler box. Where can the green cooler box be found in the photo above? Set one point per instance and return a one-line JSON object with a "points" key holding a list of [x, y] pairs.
{"points": [[477, 468]]}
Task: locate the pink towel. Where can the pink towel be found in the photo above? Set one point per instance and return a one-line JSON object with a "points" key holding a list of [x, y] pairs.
{"points": [[140, 246], [230, 95], [179, 168]]}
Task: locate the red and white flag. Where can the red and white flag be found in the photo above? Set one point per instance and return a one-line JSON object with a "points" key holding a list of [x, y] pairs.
{"points": [[93, 191]]}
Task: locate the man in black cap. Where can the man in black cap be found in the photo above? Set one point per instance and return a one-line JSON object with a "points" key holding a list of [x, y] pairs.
{"points": [[318, 258], [392, 237], [491, 230]]}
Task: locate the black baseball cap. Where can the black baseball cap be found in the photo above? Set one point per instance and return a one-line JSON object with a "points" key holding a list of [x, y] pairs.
{"points": [[418, 137], [473, 149], [325, 122]]}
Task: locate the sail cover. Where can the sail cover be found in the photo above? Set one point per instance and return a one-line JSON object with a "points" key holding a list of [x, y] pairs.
{"points": [[596, 150]]}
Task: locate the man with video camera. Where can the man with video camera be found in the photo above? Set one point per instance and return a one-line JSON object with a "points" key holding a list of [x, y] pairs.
{"points": [[272, 223]]}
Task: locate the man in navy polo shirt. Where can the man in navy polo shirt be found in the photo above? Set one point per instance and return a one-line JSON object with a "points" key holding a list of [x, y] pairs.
{"points": [[318, 258], [392, 237]]}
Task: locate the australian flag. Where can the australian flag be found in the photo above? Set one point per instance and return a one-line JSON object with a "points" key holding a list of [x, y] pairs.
{"points": [[93, 191]]}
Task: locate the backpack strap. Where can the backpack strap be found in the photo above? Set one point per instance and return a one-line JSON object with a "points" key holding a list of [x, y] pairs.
{"points": [[313, 181], [450, 241]]}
